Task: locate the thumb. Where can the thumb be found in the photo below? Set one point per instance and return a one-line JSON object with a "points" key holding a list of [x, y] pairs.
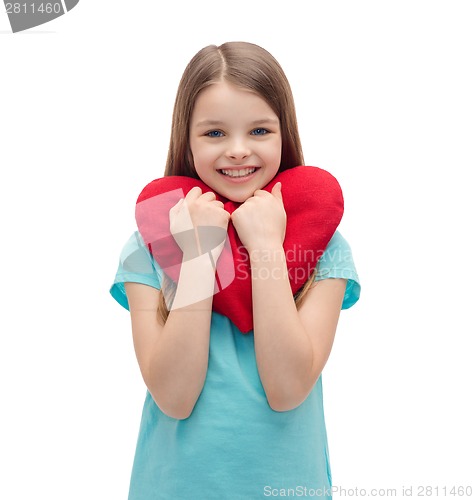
{"points": [[276, 191]]}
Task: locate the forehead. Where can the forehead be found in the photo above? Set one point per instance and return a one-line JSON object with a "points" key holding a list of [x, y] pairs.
{"points": [[224, 101]]}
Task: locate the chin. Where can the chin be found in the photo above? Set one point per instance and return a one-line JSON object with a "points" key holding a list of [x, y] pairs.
{"points": [[238, 198]]}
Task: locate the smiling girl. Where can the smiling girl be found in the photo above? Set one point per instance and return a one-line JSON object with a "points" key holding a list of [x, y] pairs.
{"points": [[227, 415]]}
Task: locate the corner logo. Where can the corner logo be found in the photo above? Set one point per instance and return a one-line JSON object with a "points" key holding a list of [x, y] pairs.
{"points": [[26, 15]]}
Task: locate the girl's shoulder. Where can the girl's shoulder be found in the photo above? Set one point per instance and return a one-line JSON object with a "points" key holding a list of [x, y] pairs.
{"points": [[337, 262], [338, 252], [338, 242], [135, 265]]}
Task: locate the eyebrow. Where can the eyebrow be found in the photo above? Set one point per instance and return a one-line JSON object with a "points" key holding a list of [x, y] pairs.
{"points": [[213, 123]]}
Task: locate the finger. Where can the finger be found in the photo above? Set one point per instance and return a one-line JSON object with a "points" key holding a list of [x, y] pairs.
{"points": [[194, 193], [276, 191], [226, 215], [218, 203], [178, 205], [235, 213], [209, 195]]}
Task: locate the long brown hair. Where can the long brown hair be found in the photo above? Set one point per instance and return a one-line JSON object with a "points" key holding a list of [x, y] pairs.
{"points": [[244, 65]]}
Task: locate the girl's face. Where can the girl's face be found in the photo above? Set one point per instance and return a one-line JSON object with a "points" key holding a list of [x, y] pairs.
{"points": [[235, 140]]}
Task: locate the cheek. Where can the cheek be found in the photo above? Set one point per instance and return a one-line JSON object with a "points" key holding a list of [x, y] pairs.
{"points": [[204, 151], [275, 152]]}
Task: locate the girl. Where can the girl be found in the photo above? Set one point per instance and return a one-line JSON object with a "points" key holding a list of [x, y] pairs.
{"points": [[228, 415]]}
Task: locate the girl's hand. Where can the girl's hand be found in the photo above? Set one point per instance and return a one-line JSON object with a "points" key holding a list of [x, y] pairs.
{"points": [[260, 221], [199, 223]]}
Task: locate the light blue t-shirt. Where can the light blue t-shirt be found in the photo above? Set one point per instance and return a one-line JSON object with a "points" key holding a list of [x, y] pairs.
{"points": [[233, 446]]}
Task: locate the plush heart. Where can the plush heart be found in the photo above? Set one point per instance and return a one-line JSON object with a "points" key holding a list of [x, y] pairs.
{"points": [[314, 206]]}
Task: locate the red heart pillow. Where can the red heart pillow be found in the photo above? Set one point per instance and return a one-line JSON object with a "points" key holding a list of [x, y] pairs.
{"points": [[314, 206]]}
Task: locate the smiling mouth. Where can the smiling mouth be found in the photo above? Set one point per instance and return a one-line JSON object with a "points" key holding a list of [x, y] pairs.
{"points": [[241, 172]]}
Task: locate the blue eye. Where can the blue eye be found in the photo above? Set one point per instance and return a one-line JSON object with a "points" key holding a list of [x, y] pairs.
{"points": [[260, 131], [215, 133]]}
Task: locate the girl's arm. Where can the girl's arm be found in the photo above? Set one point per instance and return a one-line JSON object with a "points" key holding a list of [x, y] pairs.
{"points": [[291, 346], [173, 357]]}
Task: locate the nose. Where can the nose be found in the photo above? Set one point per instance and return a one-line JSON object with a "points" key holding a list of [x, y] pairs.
{"points": [[238, 150]]}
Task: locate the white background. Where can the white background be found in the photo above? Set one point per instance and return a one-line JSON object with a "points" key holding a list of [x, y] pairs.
{"points": [[385, 103]]}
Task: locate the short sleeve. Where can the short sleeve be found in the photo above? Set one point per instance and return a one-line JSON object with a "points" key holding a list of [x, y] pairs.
{"points": [[136, 265], [337, 262]]}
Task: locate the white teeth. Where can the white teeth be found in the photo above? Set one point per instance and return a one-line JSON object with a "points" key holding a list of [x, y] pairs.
{"points": [[239, 173]]}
